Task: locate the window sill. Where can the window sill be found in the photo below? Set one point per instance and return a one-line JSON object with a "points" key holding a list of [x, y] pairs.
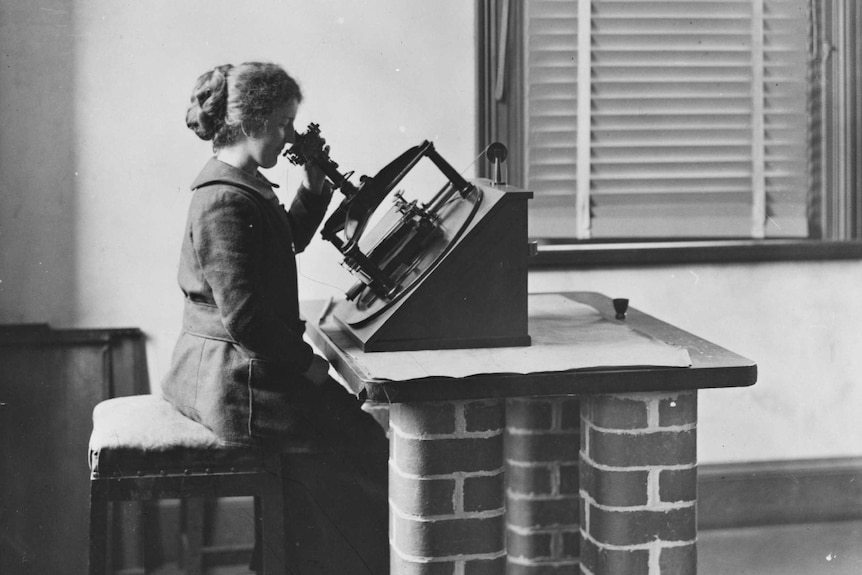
{"points": [[632, 254]]}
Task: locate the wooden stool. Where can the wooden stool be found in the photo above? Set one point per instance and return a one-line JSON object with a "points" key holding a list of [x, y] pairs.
{"points": [[142, 448]]}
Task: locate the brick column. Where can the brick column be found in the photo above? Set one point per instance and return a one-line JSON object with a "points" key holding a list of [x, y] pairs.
{"points": [[446, 508], [639, 484], [542, 526]]}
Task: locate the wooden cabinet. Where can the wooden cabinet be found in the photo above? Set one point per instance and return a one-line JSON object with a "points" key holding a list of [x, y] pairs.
{"points": [[50, 380]]}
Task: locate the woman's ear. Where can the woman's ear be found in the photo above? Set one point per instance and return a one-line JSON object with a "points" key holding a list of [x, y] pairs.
{"points": [[251, 129]]}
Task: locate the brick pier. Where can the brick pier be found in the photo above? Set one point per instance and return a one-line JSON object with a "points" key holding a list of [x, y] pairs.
{"points": [[543, 523], [598, 484], [638, 487], [446, 505]]}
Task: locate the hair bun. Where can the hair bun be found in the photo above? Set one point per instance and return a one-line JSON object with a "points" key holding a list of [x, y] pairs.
{"points": [[208, 105]]}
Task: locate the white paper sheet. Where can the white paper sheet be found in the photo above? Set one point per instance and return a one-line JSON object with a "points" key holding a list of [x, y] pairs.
{"points": [[566, 335]]}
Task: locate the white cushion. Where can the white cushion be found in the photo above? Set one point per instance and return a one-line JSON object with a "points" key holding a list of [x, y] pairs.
{"points": [[146, 423]]}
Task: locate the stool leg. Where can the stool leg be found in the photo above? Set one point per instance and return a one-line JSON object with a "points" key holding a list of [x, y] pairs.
{"points": [[193, 536], [255, 565], [98, 527], [273, 541]]}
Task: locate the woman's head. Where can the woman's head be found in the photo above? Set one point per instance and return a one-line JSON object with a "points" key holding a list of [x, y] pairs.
{"points": [[231, 102]]}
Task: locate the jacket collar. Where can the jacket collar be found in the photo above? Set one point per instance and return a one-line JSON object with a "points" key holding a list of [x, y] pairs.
{"points": [[217, 172]]}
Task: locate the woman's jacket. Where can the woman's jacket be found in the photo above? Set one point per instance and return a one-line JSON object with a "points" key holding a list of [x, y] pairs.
{"points": [[238, 363]]}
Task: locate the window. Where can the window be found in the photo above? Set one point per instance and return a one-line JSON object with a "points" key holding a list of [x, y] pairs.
{"points": [[667, 127]]}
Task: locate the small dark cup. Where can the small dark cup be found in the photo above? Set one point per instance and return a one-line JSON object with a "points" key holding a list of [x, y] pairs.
{"points": [[621, 306]]}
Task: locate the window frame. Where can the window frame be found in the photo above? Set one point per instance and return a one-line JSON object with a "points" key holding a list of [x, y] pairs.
{"points": [[500, 66]]}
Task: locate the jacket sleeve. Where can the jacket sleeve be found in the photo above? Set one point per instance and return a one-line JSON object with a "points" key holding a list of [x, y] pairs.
{"points": [[226, 230], [306, 212]]}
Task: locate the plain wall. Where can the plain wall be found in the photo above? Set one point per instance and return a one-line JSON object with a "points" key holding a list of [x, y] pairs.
{"points": [[798, 321], [96, 160], [95, 163]]}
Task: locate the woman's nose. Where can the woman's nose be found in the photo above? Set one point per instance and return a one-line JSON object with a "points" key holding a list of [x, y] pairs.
{"points": [[290, 136]]}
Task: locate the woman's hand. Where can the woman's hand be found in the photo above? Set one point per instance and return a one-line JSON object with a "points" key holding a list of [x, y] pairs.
{"points": [[314, 176], [318, 372]]}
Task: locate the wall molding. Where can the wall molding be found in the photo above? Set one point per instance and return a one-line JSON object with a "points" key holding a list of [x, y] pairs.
{"points": [[730, 495], [779, 492]]}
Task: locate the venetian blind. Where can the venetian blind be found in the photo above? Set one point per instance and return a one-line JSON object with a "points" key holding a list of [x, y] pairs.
{"points": [[667, 119]]}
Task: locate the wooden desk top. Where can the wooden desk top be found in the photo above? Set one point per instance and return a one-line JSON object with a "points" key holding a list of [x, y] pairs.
{"points": [[712, 366]]}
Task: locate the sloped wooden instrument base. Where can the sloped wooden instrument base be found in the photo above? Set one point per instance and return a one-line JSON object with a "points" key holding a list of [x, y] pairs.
{"points": [[475, 296]]}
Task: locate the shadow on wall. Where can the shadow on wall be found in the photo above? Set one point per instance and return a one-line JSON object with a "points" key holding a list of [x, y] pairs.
{"points": [[37, 162]]}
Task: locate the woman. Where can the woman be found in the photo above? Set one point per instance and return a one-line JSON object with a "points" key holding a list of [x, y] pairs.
{"points": [[240, 366]]}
